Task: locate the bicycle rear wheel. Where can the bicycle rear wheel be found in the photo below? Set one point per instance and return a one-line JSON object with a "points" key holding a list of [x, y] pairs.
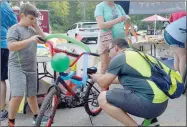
{"points": [[91, 103], [48, 108]]}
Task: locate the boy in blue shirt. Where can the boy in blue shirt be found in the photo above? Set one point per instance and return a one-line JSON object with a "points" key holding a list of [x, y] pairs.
{"points": [[8, 18]]}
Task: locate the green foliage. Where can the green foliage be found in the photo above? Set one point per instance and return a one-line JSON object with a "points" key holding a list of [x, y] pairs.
{"points": [[63, 14]]}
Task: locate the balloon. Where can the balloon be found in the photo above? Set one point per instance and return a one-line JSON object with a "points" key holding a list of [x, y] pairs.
{"points": [[60, 62], [79, 43]]}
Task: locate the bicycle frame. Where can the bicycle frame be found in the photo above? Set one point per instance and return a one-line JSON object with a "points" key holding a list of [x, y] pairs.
{"points": [[81, 81], [72, 99]]}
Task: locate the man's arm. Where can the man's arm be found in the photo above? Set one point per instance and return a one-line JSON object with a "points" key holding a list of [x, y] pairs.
{"points": [[105, 80], [116, 81]]}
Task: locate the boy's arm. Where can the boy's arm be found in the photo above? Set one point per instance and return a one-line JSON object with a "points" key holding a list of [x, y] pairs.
{"points": [[18, 45], [39, 31]]}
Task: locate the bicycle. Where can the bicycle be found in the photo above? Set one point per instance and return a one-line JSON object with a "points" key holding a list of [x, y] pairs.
{"points": [[89, 91]]}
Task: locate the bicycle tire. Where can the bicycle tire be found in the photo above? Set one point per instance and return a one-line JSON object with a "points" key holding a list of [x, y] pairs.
{"points": [[43, 108], [86, 105]]}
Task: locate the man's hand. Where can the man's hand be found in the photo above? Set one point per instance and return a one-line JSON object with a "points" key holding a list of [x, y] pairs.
{"points": [[95, 77], [103, 80]]}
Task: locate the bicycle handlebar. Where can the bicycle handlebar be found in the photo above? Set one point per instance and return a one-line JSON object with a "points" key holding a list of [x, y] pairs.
{"points": [[75, 54], [94, 54]]}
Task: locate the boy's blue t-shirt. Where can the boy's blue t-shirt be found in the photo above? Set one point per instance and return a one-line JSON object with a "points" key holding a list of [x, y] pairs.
{"points": [[102, 9], [8, 18]]}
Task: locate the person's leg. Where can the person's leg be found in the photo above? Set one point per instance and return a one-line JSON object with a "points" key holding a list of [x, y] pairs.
{"points": [[17, 80], [95, 60], [31, 94], [176, 58], [104, 58], [13, 106], [179, 58], [3, 95], [115, 112], [181, 53], [4, 76], [31, 90], [33, 104]]}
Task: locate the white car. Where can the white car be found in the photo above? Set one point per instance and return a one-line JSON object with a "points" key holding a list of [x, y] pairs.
{"points": [[87, 30]]}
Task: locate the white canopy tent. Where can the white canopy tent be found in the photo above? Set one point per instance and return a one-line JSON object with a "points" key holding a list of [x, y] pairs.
{"points": [[154, 18], [152, 6]]}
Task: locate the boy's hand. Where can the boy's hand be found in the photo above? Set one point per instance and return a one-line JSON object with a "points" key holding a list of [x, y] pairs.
{"points": [[35, 25], [36, 39]]}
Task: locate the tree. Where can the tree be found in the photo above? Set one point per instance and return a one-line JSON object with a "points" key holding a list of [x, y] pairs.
{"points": [[89, 9]]}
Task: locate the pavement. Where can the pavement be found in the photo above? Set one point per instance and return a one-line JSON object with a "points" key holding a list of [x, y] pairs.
{"points": [[175, 114]]}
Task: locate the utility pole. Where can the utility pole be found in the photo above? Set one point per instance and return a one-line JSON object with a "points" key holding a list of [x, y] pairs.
{"points": [[84, 9]]}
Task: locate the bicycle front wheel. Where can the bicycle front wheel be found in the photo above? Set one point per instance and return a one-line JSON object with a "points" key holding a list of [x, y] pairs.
{"points": [[48, 109], [91, 99]]}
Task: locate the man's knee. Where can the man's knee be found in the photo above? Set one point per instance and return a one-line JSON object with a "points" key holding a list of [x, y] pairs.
{"points": [[102, 99]]}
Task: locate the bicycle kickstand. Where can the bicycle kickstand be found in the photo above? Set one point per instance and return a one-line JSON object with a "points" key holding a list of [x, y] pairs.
{"points": [[91, 120]]}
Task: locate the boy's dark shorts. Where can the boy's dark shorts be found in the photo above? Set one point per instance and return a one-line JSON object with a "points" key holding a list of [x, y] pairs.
{"points": [[4, 64]]}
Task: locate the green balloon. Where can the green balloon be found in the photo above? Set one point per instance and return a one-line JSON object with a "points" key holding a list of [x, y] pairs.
{"points": [[60, 62]]}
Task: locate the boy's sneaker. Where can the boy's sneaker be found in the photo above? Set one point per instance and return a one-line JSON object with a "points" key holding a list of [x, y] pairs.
{"points": [[43, 122], [4, 115], [10, 124], [150, 122]]}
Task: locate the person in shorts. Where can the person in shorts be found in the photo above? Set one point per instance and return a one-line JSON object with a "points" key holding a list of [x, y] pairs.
{"points": [[110, 18], [8, 18], [176, 39], [138, 96], [22, 40]]}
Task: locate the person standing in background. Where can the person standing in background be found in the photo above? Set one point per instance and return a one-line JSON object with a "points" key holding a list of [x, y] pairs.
{"points": [[8, 18], [176, 15], [110, 18], [176, 39]]}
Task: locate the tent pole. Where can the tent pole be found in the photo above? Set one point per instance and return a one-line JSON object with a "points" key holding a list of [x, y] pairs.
{"points": [[155, 26]]}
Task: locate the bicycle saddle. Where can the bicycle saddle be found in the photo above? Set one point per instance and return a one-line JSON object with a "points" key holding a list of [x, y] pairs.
{"points": [[91, 70]]}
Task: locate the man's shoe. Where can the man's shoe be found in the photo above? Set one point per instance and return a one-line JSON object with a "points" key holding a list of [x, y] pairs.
{"points": [[43, 122], [150, 122], [4, 115]]}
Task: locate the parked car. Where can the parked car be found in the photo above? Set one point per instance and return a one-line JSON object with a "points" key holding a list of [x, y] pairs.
{"points": [[87, 30]]}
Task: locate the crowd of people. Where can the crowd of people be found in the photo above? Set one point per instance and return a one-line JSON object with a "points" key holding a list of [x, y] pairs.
{"points": [[120, 64]]}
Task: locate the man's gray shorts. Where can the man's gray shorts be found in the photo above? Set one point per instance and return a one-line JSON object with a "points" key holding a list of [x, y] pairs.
{"points": [[22, 83], [128, 101]]}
